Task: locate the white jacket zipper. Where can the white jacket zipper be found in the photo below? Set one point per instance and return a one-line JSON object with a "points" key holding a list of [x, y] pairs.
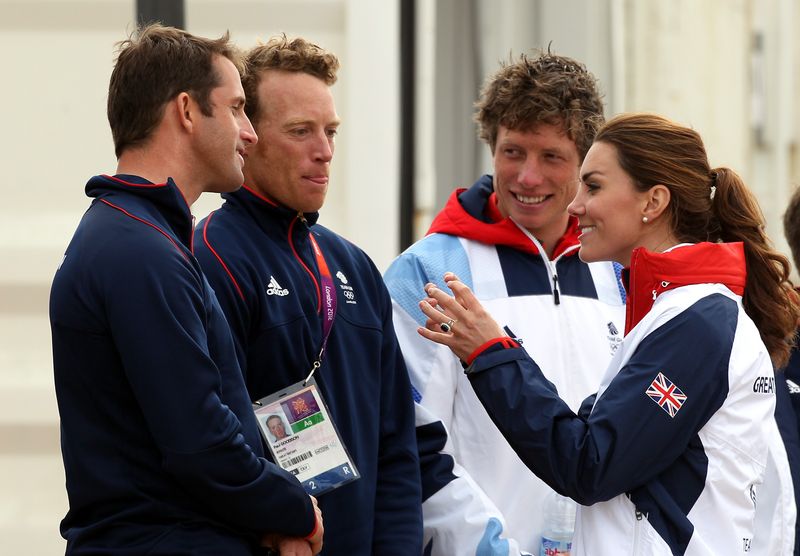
{"points": [[637, 527], [552, 273]]}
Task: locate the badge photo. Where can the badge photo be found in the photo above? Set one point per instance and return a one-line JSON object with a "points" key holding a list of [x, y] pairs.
{"points": [[302, 437]]}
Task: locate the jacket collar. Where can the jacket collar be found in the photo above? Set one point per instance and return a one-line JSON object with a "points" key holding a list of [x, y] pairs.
{"points": [[651, 274], [468, 214], [264, 208]]}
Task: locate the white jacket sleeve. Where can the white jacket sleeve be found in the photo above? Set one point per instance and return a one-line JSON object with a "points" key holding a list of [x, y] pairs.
{"points": [[776, 511], [458, 517]]}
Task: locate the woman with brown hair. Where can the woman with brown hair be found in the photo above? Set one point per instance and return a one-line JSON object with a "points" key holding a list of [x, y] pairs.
{"points": [[668, 456]]}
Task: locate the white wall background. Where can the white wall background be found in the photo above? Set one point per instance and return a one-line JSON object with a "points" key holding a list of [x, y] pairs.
{"points": [[693, 60]]}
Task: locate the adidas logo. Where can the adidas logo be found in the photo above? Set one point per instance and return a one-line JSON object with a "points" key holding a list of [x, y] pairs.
{"points": [[274, 288]]}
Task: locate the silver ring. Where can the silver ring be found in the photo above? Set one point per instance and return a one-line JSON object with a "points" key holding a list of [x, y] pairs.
{"points": [[447, 326]]}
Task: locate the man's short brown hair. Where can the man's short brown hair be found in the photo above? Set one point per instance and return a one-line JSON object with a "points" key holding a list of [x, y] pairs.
{"points": [[280, 53], [153, 66], [548, 89]]}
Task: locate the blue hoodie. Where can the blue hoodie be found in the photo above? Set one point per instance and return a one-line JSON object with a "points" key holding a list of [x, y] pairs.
{"points": [[160, 445]]}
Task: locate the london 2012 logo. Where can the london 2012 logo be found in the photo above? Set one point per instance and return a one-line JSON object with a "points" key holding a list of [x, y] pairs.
{"points": [[347, 290]]}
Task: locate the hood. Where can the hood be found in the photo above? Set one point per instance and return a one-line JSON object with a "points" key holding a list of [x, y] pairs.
{"points": [[651, 274], [166, 197], [467, 214]]}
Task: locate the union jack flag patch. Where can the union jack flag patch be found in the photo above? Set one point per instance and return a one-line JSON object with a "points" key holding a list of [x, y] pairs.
{"points": [[668, 396]]}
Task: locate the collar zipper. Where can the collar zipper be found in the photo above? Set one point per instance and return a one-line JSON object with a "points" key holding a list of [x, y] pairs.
{"points": [[548, 264]]}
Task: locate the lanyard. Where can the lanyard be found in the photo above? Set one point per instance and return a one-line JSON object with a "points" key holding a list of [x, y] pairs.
{"points": [[328, 291]]}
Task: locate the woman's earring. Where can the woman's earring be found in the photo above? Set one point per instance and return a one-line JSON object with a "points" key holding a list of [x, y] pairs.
{"points": [[645, 219]]}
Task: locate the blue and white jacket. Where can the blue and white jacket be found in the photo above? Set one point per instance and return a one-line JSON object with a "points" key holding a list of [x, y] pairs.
{"points": [[668, 459], [161, 449], [259, 259], [479, 498]]}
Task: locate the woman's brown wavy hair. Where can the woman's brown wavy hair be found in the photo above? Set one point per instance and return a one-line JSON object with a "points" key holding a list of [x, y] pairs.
{"points": [[654, 150]]}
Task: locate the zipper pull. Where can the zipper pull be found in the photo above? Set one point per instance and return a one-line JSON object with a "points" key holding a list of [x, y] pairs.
{"points": [[556, 296], [664, 286], [302, 218]]}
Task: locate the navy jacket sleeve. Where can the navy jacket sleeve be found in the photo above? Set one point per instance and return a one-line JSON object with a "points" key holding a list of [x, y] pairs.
{"points": [[627, 439], [162, 320]]}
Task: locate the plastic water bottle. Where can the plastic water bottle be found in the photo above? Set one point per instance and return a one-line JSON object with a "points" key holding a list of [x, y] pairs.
{"points": [[559, 525]]}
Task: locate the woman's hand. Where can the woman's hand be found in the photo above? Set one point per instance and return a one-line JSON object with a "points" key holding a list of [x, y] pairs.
{"points": [[459, 322]]}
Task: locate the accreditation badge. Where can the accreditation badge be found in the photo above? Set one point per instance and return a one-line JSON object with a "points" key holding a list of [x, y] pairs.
{"points": [[303, 439]]}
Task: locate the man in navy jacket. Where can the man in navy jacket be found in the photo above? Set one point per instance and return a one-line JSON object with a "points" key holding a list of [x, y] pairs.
{"points": [[300, 297], [160, 444]]}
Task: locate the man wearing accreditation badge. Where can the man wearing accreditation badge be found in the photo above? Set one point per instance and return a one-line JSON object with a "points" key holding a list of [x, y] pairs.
{"points": [[310, 315]]}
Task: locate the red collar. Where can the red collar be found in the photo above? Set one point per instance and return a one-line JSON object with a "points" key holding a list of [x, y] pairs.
{"points": [[454, 220], [651, 274]]}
